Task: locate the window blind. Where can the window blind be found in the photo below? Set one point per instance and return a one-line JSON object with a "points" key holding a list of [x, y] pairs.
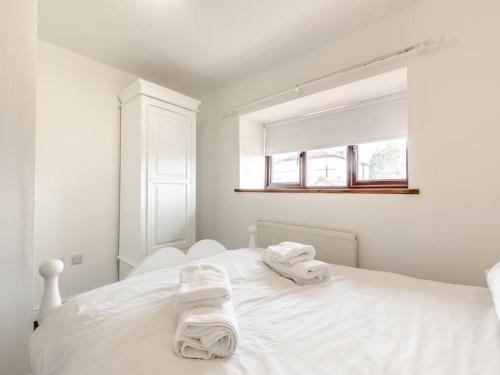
{"points": [[368, 123]]}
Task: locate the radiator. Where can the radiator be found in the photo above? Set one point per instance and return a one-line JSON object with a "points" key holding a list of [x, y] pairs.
{"points": [[331, 246]]}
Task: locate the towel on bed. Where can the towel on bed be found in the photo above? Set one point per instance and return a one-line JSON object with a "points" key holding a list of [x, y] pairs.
{"points": [[202, 285], [290, 252], [206, 332], [303, 273]]}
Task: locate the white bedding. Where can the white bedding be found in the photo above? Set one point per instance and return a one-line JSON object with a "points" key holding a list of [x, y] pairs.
{"points": [[359, 322]]}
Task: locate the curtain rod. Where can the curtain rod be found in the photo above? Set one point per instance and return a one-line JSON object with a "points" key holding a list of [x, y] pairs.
{"points": [[298, 87]]}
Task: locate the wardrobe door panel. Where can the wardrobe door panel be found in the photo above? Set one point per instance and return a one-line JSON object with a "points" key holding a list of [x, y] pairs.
{"points": [[169, 181], [170, 201], [169, 143]]}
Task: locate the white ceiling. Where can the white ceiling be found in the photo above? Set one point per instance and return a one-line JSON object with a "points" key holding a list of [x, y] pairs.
{"points": [[195, 46]]}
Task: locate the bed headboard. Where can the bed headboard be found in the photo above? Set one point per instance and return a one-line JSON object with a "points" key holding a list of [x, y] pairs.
{"points": [[331, 246]]}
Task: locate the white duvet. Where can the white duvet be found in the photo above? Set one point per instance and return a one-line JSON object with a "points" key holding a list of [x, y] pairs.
{"points": [[359, 322]]}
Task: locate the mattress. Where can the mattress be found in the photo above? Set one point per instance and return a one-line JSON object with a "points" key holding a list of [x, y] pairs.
{"points": [[359, 322]]}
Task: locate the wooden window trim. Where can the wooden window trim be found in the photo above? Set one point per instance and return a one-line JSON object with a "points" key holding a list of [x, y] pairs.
{"points": [[352, 169], [371, 190], [269, 176], [352, 182]]}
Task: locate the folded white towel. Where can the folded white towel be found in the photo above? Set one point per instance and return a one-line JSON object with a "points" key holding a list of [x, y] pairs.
{"points": [[303, 273], [290, 252], [206, 332], [203, 285]]}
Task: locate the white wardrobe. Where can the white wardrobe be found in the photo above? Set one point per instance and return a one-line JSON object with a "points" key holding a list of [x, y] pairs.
{"points": [[158, 172]]}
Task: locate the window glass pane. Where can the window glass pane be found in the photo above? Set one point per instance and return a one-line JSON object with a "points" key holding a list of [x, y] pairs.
{"points": [[327, 167], [384, 160], [285, 168]]}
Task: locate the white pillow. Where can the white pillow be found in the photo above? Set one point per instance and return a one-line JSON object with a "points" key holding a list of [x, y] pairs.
{"points": [[493, 280]]}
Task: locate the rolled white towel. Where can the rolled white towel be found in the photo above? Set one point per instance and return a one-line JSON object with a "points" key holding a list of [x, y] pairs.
{"points": [[303, 273], [206, 332], [203, 285], [290, 252]]}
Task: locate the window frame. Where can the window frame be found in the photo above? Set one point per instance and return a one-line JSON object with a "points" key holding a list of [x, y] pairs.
{"points": [[291, 185], [352, 171], [305, 186], [352, 180]]}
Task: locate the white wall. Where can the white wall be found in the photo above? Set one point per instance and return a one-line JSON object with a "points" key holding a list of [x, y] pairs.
{"points": [[450, 231], [77, 174], [252, 159], [17, 135]]}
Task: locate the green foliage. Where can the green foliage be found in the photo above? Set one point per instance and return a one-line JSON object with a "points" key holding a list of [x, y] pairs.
{"points": [[388, 162]]}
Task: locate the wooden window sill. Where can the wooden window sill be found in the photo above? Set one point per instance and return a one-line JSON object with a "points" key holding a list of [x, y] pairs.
{"points": [[333, 190]]}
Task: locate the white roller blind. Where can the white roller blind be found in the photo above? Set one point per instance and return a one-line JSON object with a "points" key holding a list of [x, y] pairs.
{"points": [[369, 123]]}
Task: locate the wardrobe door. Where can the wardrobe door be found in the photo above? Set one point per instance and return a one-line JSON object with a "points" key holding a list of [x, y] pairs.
{"points": [[171, 147]]}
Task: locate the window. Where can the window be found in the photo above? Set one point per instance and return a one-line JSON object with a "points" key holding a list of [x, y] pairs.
{"points": [[357, 142], [284, 169], [374, 164], [327, 167], [380, 163]]}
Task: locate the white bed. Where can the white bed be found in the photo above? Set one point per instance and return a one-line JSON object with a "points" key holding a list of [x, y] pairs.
{"points": [[360, 322]]}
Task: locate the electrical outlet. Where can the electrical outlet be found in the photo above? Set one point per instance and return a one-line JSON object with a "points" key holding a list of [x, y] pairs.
{"points": [[76, 259]]}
